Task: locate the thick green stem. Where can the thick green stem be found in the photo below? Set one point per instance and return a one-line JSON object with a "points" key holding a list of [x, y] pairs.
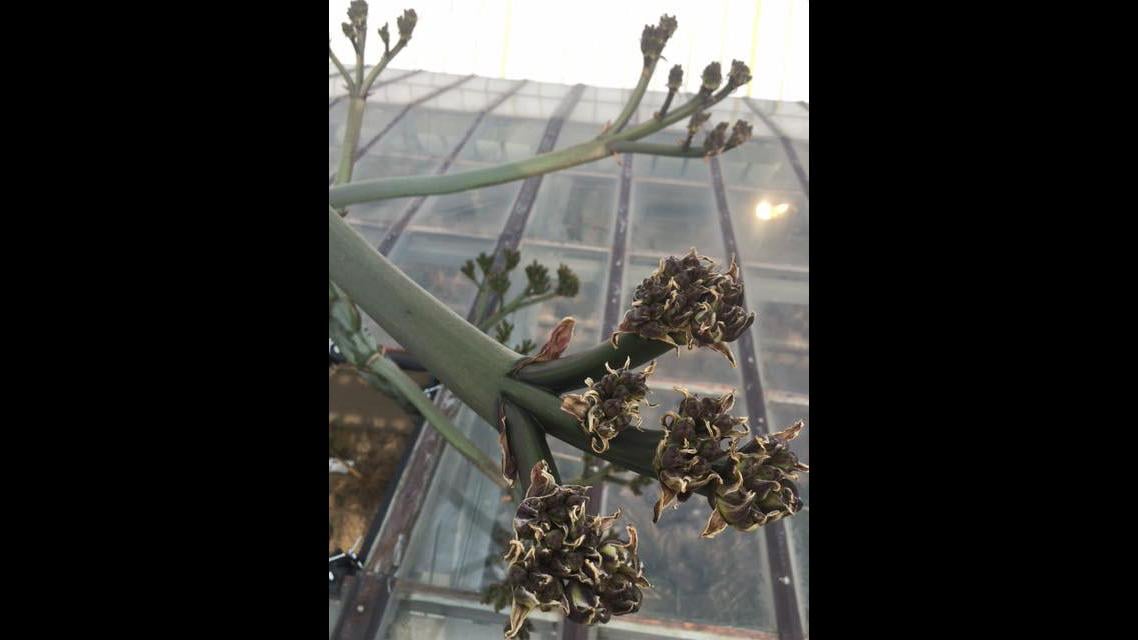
{"points": [[351, 139], [632, 449], [569, 372], [343, 195], [637, 95], [383, 188], [470, 363]]}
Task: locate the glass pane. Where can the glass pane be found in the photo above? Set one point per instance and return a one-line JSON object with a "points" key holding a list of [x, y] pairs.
{"points": [[503, 139], [574, 208], [545, 89], [783, 415], [689, 169], [792, 127], [802, 150], [783, 336], [669, 219], [771, 227], [480, 212], [537, 321], [760, 164], [434, 260], [424, 131], [725, 581]]}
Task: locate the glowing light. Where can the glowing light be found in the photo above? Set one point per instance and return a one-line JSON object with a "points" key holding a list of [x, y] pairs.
{"points": [[764, 211]]}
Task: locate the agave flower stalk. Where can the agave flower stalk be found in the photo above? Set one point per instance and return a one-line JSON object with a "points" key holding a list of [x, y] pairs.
{"points": [[342, 195]]}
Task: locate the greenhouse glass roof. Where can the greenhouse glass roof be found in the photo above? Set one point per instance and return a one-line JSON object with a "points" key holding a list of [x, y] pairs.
{"points": [[611, 221]]}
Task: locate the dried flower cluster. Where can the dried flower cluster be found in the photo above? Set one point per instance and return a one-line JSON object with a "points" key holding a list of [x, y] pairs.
{"points": [[610, 405], [687, 302], [561, 557], [762, 488], [750, 485]]}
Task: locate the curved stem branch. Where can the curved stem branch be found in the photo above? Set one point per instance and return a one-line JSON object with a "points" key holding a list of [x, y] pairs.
{"points": [[520, 302], [386, 376], [343, 71], [388, 56], [637, 95], [569, 372], [622, 146]]}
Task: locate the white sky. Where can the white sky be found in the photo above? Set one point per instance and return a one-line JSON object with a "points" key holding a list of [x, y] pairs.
{"points": [[594, 42]]}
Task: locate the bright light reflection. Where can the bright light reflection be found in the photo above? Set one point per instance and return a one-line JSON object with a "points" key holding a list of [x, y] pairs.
{"points": [[764, 211]]}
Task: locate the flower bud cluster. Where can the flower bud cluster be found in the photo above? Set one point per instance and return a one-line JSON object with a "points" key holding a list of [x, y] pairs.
{"points": [[653, 38], [718, 141], [687, 302], [357, 23], [610, 405], [749, 485], [691, 454], [761, 488], [562, 557]]}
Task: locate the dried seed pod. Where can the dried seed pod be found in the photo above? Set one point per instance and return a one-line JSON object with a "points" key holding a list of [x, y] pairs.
{"points": [[761, 489], [610, 405], [691, 454], [686, 302], [562, 557]]}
